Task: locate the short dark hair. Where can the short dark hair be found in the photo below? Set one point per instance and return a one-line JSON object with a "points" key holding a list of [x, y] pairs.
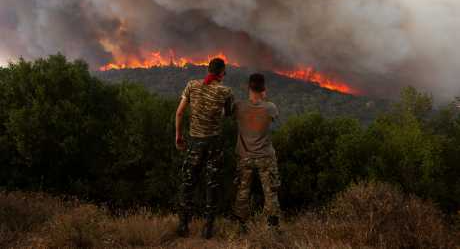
{"points": [[216, 66], [257, 82]]}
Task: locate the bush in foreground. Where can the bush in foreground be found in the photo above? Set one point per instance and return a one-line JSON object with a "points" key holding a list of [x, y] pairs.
{"points": [[367, 215], [378, 214]]}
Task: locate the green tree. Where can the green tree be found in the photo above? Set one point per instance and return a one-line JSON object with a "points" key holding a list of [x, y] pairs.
{"points": [[146, 163], [309, 149], [404, 153], [414, 103], [446, 125], [55, 110], [416, 151]]}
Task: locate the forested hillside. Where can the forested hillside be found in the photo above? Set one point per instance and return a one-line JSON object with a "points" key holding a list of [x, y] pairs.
{"points": [[292, 96]]}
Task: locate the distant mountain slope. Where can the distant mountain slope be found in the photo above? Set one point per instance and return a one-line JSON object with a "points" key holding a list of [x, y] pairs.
{"points": [[292, 96]]}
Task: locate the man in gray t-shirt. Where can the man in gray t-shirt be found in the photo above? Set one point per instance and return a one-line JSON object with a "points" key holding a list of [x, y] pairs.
{"points": [[254, 122], [255, 118]]}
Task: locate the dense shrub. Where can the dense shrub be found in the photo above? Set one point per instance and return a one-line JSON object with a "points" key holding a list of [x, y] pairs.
{"points": [[62, 130], [375, 215], [413, 152], [313, 157], [380, 215]]}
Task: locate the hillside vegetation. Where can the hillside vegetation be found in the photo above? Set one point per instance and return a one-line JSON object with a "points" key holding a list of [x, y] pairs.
{"points": [[292, 96]]}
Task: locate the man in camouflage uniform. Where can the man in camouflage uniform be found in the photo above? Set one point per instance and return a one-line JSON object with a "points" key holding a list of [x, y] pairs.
{"points": [[255, 118], [209, 101]]}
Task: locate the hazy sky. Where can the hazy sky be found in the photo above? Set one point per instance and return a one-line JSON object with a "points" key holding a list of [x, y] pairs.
{"points": [[375, 45]]}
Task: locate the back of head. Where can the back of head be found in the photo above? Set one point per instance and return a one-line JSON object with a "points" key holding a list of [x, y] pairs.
{"points": [[216, 66], [257, 83]]}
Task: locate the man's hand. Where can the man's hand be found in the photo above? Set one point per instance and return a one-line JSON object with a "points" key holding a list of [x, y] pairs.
{"points": [[180, 142]]}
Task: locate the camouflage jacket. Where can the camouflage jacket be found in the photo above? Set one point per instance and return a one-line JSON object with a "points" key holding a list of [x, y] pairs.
{"points": [[208, 104]]}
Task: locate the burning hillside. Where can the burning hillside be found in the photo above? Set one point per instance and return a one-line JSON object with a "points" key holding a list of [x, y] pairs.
{"points": [[158, 59], [309, 74], [291, 95], [371, 48]]}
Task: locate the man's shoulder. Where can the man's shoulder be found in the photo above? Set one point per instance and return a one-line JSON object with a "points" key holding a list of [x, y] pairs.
{"points": [[272, 109], [194, 83], [224, 88], [270, 105]]}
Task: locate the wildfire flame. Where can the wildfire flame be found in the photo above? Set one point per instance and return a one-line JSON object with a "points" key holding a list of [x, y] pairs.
{"points": [[157, 59], [309, 74]]}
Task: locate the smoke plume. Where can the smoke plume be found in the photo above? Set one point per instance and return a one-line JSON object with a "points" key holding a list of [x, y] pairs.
{"points": [[377, 46]]}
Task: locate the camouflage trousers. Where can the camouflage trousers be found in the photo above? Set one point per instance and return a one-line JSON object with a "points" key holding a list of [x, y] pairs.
{"points": [[269, 177], [207, 154]]}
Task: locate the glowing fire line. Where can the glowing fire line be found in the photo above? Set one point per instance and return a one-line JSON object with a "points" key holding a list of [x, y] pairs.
{"points": [[156, 59], [309, 74]]}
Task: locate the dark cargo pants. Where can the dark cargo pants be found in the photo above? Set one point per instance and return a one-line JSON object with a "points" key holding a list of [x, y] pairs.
{"points": [[202, 153]]}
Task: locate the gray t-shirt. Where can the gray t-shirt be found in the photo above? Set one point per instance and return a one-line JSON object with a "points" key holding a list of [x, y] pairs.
{"points": [[254, 128]]}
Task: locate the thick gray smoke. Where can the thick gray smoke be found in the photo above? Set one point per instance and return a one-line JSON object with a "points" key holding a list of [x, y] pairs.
{"points": [[377, 46]]}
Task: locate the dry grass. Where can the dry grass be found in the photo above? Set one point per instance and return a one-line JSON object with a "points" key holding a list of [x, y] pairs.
{"points": [[376, 215], [369, 215], [21, 213]]}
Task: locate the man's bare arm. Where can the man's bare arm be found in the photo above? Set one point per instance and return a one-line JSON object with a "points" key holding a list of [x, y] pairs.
{"points": [[180, 143]]}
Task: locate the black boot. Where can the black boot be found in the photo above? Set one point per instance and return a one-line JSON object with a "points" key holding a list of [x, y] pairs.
{"points": [[274, 224], [273, 221], [243, 230], [182, 228], [208, 229]]}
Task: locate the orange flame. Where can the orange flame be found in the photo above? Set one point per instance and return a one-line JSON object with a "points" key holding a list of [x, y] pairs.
{"points": [[157, 59], [309, 74]]}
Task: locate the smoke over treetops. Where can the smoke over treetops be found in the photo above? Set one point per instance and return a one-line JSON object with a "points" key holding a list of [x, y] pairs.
{"points": [[376, 46]]}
